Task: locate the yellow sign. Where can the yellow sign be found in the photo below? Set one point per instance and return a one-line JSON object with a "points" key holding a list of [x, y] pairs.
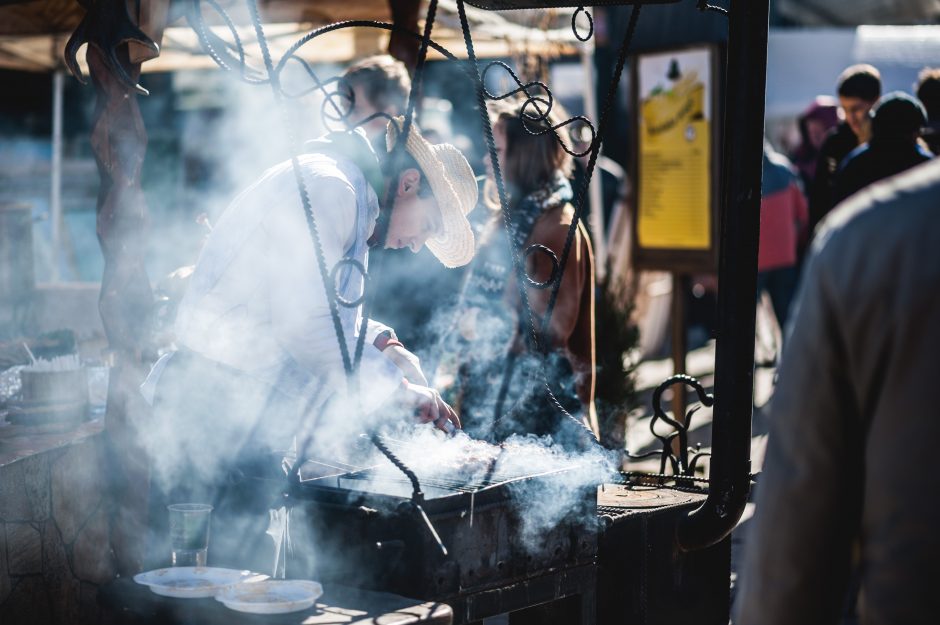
{"points": [[674, 166]]}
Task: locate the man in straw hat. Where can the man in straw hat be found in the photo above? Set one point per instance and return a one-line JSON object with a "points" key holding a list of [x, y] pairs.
{"points": [[259, 356]]}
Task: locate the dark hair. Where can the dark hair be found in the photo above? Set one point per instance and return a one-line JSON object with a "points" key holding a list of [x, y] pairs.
{"points": [[384, 81], [404, 161], [928, 91], [531, 159], [860, 81], [897, 114]]}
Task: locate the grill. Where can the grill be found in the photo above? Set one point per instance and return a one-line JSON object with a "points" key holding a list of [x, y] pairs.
{"points": [[363, 527]]}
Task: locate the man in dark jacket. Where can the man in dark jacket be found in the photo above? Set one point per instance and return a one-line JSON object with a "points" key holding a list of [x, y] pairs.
{"points": [[893, 148], [928, 92], [859, 88], [852, 419]]}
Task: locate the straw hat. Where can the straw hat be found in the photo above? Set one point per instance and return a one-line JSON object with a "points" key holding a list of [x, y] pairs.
{"points": [[454, 187]]}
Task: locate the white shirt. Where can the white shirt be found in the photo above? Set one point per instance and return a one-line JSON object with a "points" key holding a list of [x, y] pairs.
{"points": [[256, 300]]}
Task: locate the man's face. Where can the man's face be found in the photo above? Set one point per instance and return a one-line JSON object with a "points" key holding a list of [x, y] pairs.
{"points": [[856, 114], [363, 109], [414, 219]]}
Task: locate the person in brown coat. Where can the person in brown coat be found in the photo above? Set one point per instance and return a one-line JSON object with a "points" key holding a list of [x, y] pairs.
{"points": [[502, 386]]}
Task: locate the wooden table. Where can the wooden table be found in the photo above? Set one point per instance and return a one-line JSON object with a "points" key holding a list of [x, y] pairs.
{"points": [[125, 601]]}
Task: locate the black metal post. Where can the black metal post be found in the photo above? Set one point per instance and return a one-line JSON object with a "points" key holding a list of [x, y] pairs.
{"points": [[737, 278]]}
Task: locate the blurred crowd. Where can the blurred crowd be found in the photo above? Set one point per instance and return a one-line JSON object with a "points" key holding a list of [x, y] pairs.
{"points": [[846, 143]]}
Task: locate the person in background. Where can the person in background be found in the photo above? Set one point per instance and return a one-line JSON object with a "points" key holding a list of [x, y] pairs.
{"points": [[851, 419], [378, 88], [493, 327], [783, 220], [815, 122], [894, 146], [928, 92], [859, 87]]}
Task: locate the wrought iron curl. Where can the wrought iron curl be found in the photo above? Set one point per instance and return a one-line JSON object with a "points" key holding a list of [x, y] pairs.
{"points": [[680, 464], [523, 88], [352, 262], [291, 55], [574, 24], [343, 93], [544, 125], [340, 114], [538, 247], [534, 101], [215, 46]]}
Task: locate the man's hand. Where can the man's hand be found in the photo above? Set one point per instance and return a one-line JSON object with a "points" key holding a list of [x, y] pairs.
{"points": [[408, 363], [429, 407]]}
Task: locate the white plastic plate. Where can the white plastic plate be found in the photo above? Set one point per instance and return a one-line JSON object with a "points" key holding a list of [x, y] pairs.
{"points": [[272, 596], [191, 582]]}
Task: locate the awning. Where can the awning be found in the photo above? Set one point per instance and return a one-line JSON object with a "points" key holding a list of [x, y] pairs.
{"points": [[33, 34]]}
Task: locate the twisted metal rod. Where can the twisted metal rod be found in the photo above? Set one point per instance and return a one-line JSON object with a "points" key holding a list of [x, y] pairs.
{"points": [[595, 152], [586, 433]]}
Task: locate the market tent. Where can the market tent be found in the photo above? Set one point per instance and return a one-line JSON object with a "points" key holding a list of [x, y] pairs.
{"points": [[33, 34]]}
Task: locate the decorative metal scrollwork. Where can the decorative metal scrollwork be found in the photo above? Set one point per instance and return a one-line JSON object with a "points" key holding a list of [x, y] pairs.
{"points": [[574, 24], [680, 463], [532, 249], [539, 119], [218, 48], [351, 262]]}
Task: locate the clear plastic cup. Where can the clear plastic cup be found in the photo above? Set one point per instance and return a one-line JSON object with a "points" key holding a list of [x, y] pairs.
{"points": [[189, 533]]}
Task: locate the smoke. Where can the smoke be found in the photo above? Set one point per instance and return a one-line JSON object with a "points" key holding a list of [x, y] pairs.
{"points": [[547, 483], [256, 266]]}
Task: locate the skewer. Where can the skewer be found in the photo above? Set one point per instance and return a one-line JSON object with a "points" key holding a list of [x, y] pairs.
{"points": [[30, 352]]}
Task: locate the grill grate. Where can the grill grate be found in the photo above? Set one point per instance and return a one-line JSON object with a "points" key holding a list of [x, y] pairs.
{"points": [[451, 484]]}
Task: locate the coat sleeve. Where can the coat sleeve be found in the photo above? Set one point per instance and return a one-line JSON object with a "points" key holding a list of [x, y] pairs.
{"points": [[809, 494], [552, 232]]}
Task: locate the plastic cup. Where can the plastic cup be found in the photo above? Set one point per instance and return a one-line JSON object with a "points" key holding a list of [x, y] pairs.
{"points": [[189, 533]]}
